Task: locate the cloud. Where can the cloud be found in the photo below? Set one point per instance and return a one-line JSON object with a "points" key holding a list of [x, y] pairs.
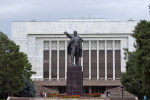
{"points": [[14, 9], [62, 8], [52, 10]]}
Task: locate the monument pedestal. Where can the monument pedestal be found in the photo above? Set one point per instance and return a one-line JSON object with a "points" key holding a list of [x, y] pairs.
{"points": [[74, 80]]}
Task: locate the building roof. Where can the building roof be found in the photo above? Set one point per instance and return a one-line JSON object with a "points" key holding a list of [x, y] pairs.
{"points": [[83, 26]]}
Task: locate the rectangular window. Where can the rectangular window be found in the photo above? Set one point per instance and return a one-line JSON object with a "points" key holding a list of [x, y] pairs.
{"points": [[85, 63], [93, 63], [117, 64], [101, 63], [46, 64], [62, 63], [54, 64], [109, 63]]}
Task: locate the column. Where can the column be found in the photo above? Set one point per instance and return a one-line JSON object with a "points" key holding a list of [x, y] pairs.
{"points": [[65, 59], [97, 60], [113, 60], [123, 44], [82, 58], [57, 60], [50, 64], [41, 72], [105, 60], [89, 59]]}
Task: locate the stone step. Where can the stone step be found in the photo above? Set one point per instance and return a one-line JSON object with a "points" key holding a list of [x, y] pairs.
{"points": [[118, 92], [45, 89]]}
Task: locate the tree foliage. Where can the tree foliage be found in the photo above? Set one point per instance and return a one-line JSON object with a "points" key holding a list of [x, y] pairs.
{"points": [[28, 89], [132, 78], [14, 67], [139, 62], [142, 36]]}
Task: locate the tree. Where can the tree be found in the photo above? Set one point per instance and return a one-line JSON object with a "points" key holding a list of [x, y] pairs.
{"points": [[14, 67], [142, 36], [28, 90], [138, 64], [131, 80]]}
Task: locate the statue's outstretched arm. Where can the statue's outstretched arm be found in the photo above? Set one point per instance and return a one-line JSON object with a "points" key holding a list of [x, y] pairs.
{"points": [[68, 35], [81, 39]]}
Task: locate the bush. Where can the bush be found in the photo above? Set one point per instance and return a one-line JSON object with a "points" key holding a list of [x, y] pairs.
{"points": [[96, 95], [52, 95], [28, 89], [71, 96], [93, 95]]}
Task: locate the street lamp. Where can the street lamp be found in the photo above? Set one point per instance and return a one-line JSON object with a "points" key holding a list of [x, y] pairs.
{"points": [[122, 90]]}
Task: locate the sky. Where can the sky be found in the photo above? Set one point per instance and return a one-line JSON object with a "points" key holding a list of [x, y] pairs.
{"points": [[53, 10]]}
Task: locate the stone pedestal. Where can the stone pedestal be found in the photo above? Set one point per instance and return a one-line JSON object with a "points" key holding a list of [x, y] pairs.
{"points": [[74, 80]]}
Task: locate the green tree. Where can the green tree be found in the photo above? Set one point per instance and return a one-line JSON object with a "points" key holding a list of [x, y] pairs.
{"points": [[131, 80], [14, 67], [138, 64], [28, 89], [142, 37]]}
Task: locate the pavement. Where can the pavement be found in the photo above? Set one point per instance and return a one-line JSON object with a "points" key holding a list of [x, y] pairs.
{"points": [[48, 98]]}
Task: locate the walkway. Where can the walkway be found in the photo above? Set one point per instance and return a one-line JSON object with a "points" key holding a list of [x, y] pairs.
{"points": [[40, 98]]}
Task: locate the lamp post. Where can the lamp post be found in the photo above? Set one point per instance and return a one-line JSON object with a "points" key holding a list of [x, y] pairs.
{"points": [[122, 90]]}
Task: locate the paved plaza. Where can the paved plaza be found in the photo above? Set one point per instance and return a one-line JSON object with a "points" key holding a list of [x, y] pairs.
{"points": [[82, 98], [42, 98]]}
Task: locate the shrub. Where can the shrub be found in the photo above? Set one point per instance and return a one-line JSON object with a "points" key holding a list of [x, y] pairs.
{"points": [[52, 95], [93, 95], [96, 95], [71, 96]]}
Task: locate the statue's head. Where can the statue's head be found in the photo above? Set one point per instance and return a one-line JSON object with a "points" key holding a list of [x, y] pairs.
{"points": [[75, 33]]}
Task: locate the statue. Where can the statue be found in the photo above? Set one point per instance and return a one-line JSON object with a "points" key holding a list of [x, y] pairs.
{"points": [[74, 47]]}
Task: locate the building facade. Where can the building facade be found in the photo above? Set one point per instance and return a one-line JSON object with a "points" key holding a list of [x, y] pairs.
{"points": [[103, 51]]}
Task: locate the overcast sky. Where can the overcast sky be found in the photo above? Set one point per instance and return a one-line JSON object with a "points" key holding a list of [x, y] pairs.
{"points": [[53, 10]]}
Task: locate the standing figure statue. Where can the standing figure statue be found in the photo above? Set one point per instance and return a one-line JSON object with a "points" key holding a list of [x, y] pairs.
{"points": [[74, 47]]}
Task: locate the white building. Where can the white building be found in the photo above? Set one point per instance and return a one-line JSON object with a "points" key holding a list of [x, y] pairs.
{"points": [[103, 50]]}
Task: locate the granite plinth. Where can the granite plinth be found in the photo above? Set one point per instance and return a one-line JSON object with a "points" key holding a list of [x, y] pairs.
{"points": [[74, 80]]}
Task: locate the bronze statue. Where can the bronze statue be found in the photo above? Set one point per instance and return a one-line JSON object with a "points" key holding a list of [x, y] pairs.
{"points": [[74, 47]]}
